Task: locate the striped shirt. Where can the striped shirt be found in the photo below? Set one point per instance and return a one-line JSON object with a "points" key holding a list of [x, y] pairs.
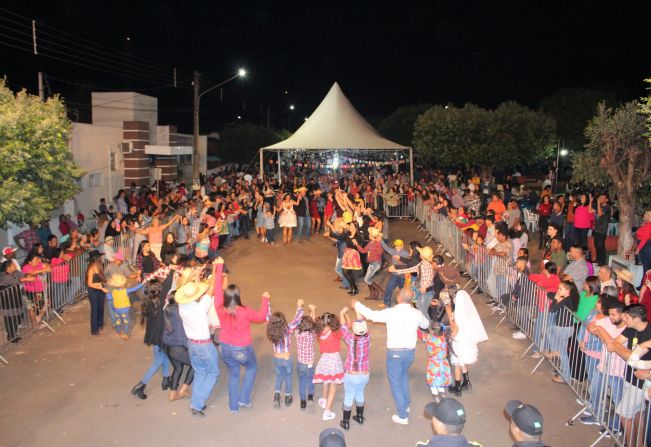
{"points": [[285, 344], [359, 347], [305, 347]]}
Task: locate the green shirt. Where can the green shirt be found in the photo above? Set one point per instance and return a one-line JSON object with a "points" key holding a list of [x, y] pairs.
{"points": [[560, 259], [586, 304]]}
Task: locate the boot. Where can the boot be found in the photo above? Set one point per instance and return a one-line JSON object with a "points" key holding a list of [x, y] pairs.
{"points": [[288, 400], [345, 422], [359, 417], [466, 385], [379, 289], [167, 383], [174, 395], [139, 391], [371, 295], [303, 405], [376, 292], [184, 391], [353, 290], [277, 399], [456, 388]]}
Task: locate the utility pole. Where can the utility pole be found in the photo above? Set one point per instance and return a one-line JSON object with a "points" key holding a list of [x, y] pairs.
{"points": [[41, 90], [195, 145]]}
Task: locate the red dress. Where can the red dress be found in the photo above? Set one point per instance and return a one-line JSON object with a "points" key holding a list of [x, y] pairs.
{"points": [[329, 209], [314, 210]]}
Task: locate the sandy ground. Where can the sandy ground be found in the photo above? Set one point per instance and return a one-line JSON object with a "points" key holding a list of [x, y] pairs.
{"points": [[71, 389]]}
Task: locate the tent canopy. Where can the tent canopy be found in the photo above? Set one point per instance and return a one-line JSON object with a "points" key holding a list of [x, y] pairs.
{"points": [[336, 124]]}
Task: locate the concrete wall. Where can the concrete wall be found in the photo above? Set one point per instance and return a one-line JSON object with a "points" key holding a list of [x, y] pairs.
{"points": [[113, 108], [90, 145]]}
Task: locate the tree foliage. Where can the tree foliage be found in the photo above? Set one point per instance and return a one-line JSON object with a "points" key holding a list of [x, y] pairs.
{"points": [[509, 136], [241, 142], [37, 172], [399, 126], [617, 155], [572, 108]]}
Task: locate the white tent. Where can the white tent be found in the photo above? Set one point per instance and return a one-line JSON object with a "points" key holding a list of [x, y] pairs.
{"points": [[336, 124]]}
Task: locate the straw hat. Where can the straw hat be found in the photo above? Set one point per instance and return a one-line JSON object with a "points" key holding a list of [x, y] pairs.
{"points": [[374, 232], [625, 275], [190, 292], [426, 253], [117, 281], [449, 275]]}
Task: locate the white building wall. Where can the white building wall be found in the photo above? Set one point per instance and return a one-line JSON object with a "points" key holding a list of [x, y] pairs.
{"points": [[111, 109]]}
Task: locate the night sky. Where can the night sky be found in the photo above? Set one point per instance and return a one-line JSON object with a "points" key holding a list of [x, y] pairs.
{"points": [[383, 54]]}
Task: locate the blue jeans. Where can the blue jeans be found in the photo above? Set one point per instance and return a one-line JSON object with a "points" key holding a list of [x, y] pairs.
{"points": [[340, 272], [616, 386], [159, 359], [423, 302], [398, 363], [236, 357], [269, 234], [283, 369], [372, 269], [394, 281], [305, 376], [558, 337], [354, 385], [205, 362], [303, 227], [538, 327], [590, 366]]}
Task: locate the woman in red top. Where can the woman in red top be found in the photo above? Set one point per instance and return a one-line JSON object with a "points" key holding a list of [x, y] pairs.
{"points": [[236, 344], [329, 208], [645, 292], [544, 211], [330, 369], [643, 250]]}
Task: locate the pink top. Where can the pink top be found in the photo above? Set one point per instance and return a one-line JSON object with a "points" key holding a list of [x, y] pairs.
{"points": [[583, 218], [236, 327], [155, 237], [60, 270], [617, 364], [36, 285]]}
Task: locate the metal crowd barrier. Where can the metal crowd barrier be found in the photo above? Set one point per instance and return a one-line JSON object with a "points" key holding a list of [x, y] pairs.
{"points": [[596, 376], [398, 206]]}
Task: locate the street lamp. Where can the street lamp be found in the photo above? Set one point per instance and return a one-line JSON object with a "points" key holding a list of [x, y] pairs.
{"points": [[197, 99], [559, 153]]}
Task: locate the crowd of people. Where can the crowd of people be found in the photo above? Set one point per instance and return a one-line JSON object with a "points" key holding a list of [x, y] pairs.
{"points": [[175, 265]]}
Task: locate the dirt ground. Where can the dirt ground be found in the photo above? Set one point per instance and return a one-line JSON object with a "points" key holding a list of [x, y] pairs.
{"points": [[71, 389]]}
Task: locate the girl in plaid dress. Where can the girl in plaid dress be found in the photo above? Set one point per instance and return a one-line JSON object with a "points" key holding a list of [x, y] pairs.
{"points": [[330, 369]]}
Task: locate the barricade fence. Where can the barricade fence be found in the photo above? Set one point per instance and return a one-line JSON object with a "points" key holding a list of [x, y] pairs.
{"points": [[398, 206], [30, 305], [612, 394]]}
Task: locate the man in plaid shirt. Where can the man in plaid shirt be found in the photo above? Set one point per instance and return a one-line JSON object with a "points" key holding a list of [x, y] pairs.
{"points": [[28, 237], [425, 278]]}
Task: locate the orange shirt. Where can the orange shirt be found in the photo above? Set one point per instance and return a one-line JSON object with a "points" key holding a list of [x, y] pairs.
{"points": [[498, 207]]}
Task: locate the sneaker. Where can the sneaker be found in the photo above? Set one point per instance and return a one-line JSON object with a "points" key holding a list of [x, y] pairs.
{"points": [[328, 415], [398, 420], [322, 403], [588, 420], [519, 335]]}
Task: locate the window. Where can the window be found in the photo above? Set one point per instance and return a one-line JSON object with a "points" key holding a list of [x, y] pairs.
{"points": [[94, 180]]}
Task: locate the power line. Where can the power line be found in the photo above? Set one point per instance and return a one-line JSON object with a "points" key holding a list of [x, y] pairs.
{"points": [[120, 89]]}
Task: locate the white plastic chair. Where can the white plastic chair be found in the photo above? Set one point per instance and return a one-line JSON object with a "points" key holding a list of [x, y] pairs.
{"points": [[531, 220]]}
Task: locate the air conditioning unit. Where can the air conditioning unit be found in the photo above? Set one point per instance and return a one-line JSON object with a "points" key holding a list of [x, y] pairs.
{"points": [[126, 148]]}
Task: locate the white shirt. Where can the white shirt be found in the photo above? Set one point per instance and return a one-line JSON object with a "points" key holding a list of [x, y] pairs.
{"points": [[402, 322], [195, 318], [610, 282]]}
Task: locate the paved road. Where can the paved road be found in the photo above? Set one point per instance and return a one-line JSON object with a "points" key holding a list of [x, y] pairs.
{"points": [[71, 389]]}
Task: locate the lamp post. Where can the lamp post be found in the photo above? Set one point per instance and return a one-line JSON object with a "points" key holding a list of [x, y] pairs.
{"points": [[197, 99], [560, 152]]}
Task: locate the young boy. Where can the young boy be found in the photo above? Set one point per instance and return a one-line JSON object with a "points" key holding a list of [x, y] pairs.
{"points": [[269, 225]]}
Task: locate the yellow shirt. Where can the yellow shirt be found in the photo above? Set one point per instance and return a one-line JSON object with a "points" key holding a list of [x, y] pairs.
{"points": [[121, 299]]}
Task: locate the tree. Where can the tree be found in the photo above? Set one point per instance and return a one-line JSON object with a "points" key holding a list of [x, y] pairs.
{"points": [[37, 172], [572, 108], [241, 142], [617, 155], [399, 126], [472, 136]]}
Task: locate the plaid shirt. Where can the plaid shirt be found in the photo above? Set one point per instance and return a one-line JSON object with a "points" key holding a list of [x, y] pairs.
{"points": [[425, 273], [286, 343], [374, 250], [305, 347], [357, 359], [29, 238], [194, 227]]}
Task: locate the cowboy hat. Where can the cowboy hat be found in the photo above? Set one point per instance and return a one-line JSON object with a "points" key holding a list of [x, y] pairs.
{"points": [[449, 275], [374, 232], [94, 255], [117, 281], [426, 253], [360, 327], [190, 292], [625, 275], [196, 187]]}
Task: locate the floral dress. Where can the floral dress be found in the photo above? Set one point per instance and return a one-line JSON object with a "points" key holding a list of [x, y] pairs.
{"points": [[438, 367]]}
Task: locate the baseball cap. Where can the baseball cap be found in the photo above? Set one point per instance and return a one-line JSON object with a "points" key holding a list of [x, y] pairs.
{"points": [[398, 242], [447, 410], [8, 250], [526, 417], [332, 437]]}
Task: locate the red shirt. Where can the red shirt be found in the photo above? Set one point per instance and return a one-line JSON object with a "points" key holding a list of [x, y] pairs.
{"points": [[330, 343], [643, 234], [545, 209]]}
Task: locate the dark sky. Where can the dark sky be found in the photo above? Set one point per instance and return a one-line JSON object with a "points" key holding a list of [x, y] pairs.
{"points": [[383, 54]]}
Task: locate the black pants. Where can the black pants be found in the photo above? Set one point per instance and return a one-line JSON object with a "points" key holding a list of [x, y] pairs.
{"points": [[11, 325], [600, 246], [581, 236], [350, 277], [179, 357], [543, 223], [96, 299]]}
